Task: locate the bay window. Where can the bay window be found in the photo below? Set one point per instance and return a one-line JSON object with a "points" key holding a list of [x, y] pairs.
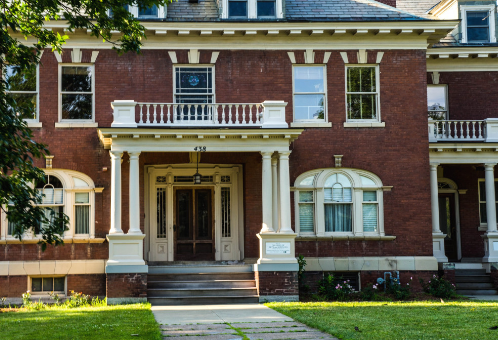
{"points": [[339, 202]]}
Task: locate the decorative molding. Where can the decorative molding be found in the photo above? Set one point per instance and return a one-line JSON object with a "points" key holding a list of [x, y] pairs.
{"points": [[344, 56], [380, 55], [99, 190], [435, 78], [362, 56], [58, 56], [172, 55], [94, 56], [338, 161], [48, 161], [292, 57], [214, 57], [309, 56], [387, 187], [76, 55], [194, 56], [326, 57]]}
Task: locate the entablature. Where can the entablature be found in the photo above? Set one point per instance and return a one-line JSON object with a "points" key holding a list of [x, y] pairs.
{"points": [[463, 153]]}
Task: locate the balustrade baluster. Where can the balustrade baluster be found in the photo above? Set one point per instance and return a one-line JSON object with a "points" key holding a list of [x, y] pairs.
{"points": [[473, 130], [181, 112], [236, 114], [230, 114], [154, 113], [169, 112], [244, 114], [257, 113], [148, 114], [162, 114], [214, 112], [479, 131], [141, 114]]}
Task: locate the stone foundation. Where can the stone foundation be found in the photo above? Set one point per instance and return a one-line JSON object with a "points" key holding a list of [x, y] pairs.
{"points": [[277, 286], [123, 288]]}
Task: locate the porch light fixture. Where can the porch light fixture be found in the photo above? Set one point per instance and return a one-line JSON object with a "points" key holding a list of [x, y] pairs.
{"points": [[197, 175]]}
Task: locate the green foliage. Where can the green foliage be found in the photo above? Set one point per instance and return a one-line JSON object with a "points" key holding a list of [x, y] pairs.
{"points": [[396, 289], [23, 19], [302, 263], [333, 289], [439, 287], [26, 299]]}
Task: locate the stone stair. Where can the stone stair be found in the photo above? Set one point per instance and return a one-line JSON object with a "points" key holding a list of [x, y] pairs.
{"points": [[201, 285], [474, 282]]}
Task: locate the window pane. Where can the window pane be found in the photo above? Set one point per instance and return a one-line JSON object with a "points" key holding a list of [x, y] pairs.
{"points": [[18, 80], [338, 178], [80, 183], [82, 216], [478, 34], [76, 79], [436, 98], [59, 284], [306, 217], [194, 80], [77, 106], [367, 181], [369, 196], [361, 79], [482, 209], [306, 196], [338, 217], [25, 101], [477, 18], [36, 284], [309, 106], [82, 197], [10, 228], [369, 217], [482, 191], [266, 8], [48, 284], [337, 195], [308, 180], [237, 8], [308, 79], [362, 106], [149, 12]]}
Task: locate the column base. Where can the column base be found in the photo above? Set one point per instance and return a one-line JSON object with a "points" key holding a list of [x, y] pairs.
{"points": [[438, 247], [126, 250], [490, 247], [277, 248]]}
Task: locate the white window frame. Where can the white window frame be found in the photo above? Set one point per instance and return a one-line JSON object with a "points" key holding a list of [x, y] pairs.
{"points": [[481, 224], [213, 77], [61, 65], [325, 101], [32, 122], [445, 86], [377, 93], [70, 189], [357, 189], [478, 8], [133, 9], [44, 293], [252, 10]]}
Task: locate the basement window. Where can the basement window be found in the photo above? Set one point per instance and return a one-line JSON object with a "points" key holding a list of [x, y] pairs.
{"points": [[48, 284]]}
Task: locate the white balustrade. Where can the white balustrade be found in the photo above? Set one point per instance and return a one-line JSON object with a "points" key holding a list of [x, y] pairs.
{"points": [[457, 130], [170, 114]]}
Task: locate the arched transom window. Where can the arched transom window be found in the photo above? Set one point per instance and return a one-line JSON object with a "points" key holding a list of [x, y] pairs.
{"points": [[347, 201]]}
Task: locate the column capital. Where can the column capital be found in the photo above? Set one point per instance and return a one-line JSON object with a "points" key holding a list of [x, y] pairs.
{"points": [[434, 165], [283, 154], [116, 154], [489, 165], [274, 161], [266, 154], [134, 154]]}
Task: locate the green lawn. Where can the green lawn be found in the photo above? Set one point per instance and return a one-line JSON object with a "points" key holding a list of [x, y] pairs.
{"points": [[397, 320], [110, 322]]}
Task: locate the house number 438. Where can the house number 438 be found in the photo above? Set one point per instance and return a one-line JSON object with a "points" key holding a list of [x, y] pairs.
{"points": [[200, 148]]}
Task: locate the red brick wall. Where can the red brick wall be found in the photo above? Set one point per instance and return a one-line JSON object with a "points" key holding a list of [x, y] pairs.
{"points": [[469, 93], [277, 283], [126, 285], [69, 251], [13, 286], [93, 284]]}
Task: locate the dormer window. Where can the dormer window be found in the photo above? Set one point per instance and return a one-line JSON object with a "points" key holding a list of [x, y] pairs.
{"points": [[153, 12], [266, 8], [478, 24], [237, 8], [252, 9]]}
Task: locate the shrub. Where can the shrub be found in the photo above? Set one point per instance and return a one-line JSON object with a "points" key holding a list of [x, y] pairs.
{"points": [[78, 300], [369, 293], [439, 287], [2, 301], [57, 299], [399, 291], [302, 263], [335, 289], [26, 299]]}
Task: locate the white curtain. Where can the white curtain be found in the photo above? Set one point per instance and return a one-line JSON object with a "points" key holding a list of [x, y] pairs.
{"points": [[82, 216], [338, 217]]}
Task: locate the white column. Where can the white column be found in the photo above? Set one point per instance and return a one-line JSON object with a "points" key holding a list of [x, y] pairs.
{"points": [[490, 197], [434, 199], [115, 192], [274, 178], [284, 188], [267, 193], [134, 208]]}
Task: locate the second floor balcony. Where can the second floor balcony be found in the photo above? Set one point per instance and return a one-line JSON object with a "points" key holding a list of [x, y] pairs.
{"points": [[463, 130]]}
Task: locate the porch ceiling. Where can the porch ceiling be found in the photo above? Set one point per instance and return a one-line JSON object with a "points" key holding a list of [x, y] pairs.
{"points": [[463, 153], [185, 140]]}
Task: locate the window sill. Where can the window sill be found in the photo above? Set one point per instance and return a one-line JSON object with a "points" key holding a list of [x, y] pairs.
{"points": [[34, 125], [365, 125], [76, 125], [306, 125], [345, 238]]}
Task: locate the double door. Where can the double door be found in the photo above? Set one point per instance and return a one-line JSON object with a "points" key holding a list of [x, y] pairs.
{"points": [[193, 224]]}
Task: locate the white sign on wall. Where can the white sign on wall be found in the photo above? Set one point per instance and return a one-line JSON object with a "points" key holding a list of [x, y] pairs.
{"points": [[278, 248]]}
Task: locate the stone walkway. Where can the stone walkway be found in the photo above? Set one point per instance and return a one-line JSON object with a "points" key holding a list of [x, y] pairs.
{"points": [[230, 322]]}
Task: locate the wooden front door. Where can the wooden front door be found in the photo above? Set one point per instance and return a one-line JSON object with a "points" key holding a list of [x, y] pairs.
{"points": [[447, 224], [193, 224]]}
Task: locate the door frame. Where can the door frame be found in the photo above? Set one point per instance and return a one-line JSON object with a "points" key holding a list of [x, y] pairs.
{"points": [[450, 187], [226, 247]]}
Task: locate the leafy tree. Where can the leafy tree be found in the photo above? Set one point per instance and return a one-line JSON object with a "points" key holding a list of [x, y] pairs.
{"points": [[18, 60]]}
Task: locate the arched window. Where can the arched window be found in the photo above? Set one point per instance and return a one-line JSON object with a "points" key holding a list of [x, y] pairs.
{"points": [[69, 192], [339, 201]]}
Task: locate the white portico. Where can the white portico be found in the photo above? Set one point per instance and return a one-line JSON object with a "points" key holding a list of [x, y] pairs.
{"points": [[168, 185]]}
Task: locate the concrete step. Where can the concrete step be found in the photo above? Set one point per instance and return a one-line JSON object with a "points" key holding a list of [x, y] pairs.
{"points": [[206, 268], [475, 285], [466, 272], [201, 276], [203, 284], [477, 292], [205, 292], [473, 278], [201, 300]]}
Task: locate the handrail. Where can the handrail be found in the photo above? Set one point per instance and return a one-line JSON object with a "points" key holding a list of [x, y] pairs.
{"points": [[457, 130]]}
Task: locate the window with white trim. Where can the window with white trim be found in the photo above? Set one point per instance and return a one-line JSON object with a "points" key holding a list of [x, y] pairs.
{"points": [[147, 13], [339, 201], [46, 285], [483, 217], [310, 93], [478, 23], [22, 85], [437, 102], [362, 93], [251, 9], [76, 93], [65, 191]]}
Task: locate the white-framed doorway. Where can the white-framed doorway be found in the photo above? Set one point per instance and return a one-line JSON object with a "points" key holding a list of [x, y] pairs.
{"points": [[161, 182], [448, 191]]}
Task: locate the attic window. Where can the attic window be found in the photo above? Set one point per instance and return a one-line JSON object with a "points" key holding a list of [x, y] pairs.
{"points": [[478, 26]]}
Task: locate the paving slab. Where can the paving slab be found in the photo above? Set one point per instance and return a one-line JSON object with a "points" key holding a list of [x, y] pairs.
{"points": [[282, 336]]}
